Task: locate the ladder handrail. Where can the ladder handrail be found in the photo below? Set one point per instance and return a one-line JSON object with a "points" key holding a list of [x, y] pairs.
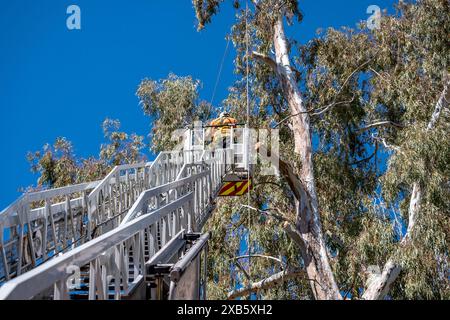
{"points": [[44, 194], [111, 175], [83, 208], [18, 224], [140, 203], [39, 279], [181, 211], [184, 182]]}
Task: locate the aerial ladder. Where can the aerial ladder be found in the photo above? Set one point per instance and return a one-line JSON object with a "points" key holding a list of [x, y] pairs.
{"points": [[136, 234]]}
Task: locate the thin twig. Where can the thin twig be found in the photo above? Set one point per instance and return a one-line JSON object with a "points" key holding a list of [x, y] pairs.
{"points": [[240, 267], [334, 103], [268, 212], [381, 124], [259, 256], [368, 158], [269, 182]]}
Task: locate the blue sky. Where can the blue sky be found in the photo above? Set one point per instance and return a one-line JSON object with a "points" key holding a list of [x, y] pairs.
{"points": [[55, 82]]}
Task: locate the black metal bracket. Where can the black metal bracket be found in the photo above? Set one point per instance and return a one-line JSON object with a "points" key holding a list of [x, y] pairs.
{"points": [[159, 270], [191, 237]]}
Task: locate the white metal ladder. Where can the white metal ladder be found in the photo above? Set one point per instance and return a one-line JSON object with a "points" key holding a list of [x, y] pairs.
{"points": [[108, 228]]}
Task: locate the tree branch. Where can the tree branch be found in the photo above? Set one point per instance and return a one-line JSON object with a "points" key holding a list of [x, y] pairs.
{"points": [[267, 283], [442, 103], [268, 182], [316, 113], [368, 158], [334, 103], [380, 285], [240, 267], [258, 256], [268, 212], [380, 124], [265, 59]]}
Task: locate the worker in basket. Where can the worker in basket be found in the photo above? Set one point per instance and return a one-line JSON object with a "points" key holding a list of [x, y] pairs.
{"points": [[221, 129]]}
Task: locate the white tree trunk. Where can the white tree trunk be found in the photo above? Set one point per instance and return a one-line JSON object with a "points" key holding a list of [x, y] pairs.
{"points": [[379, 287], [308, 222]]}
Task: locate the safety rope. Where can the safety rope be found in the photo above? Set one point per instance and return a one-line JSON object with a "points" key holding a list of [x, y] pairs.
{"points": [[219, 74]]}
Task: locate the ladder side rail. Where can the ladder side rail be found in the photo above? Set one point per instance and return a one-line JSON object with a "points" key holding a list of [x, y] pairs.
{"points": [[180, 267], [33, 246], [125, 194], [43, 195], [97, 251], [142, 202], [83, 210], [108, 199], [178, 171], [38, 218]]}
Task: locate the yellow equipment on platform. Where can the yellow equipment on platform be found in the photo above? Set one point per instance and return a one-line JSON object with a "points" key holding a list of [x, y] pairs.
{"points": [[237, 182], [224, 123], [221, 129]]}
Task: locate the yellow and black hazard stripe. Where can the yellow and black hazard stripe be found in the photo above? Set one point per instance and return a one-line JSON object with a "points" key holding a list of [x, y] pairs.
{"points": [[235, 188]]}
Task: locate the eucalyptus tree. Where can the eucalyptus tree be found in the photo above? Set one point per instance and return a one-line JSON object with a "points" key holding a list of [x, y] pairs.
{"points": [[57, 165], [366, 113], [172, 104]]}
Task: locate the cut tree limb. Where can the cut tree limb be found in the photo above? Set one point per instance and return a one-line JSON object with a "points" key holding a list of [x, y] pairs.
{"points": [[265, 59]]}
